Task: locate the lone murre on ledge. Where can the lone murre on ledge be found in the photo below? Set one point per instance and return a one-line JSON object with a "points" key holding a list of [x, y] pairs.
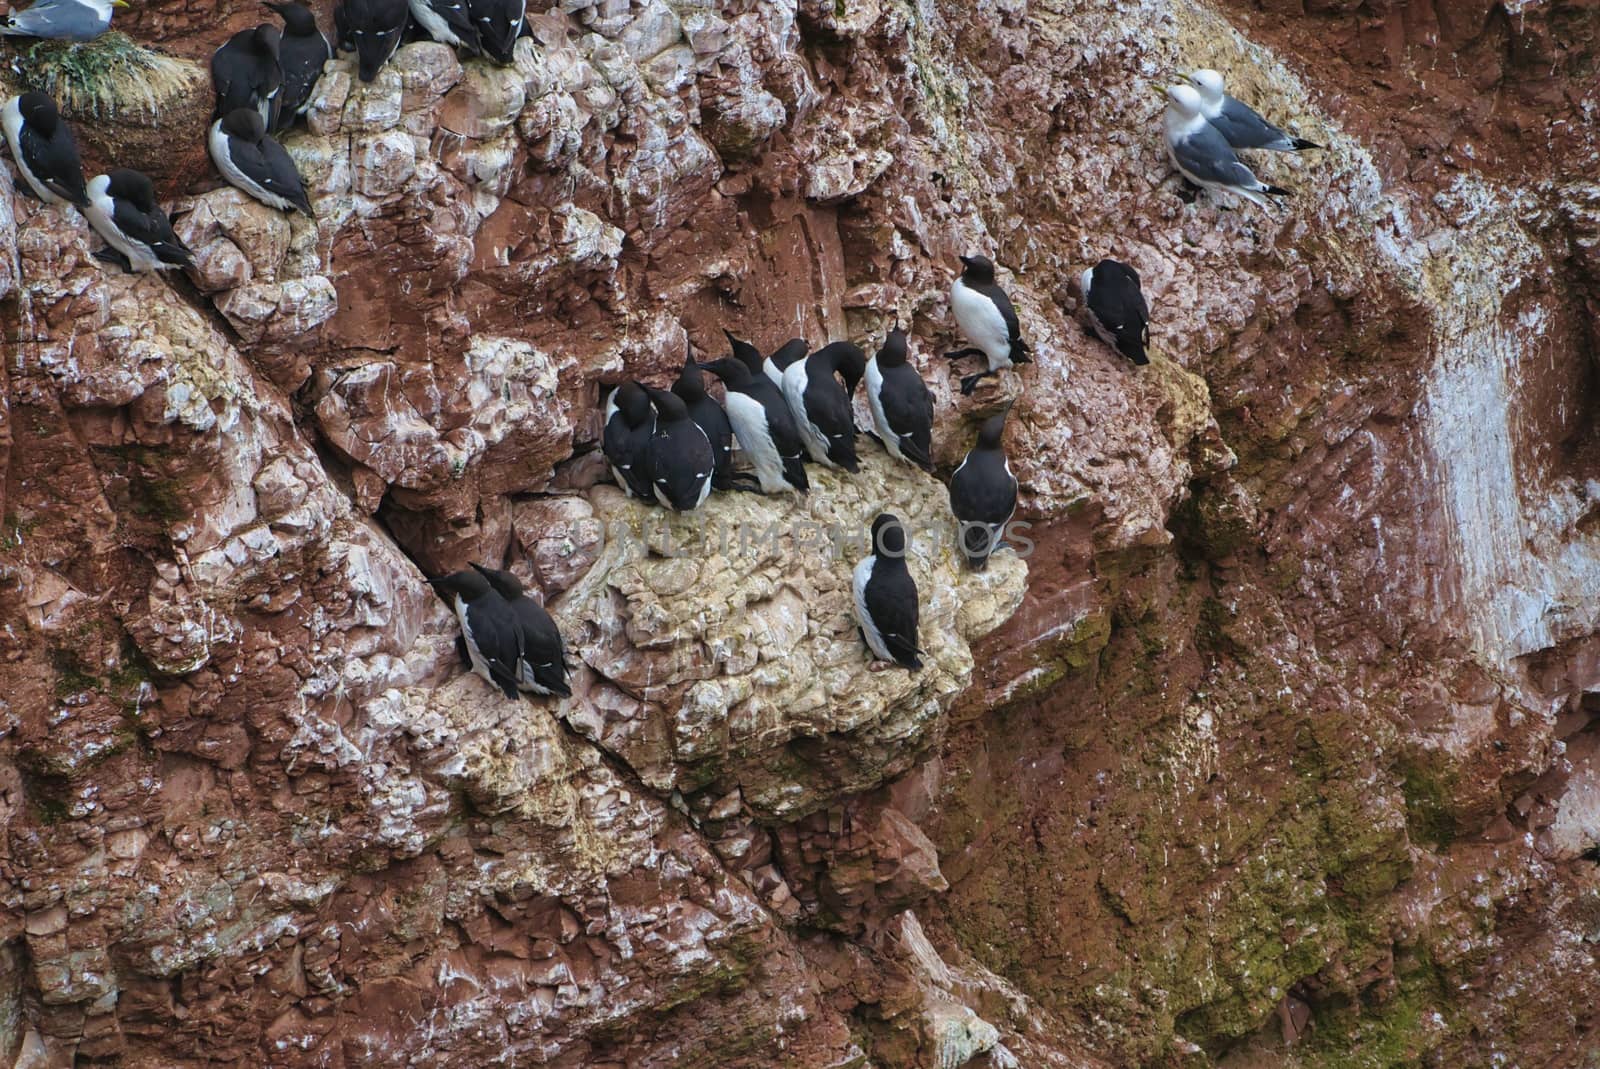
{"points": [[987, 318], [252, 161], [488, 628], [886, 596], [762, 422], [122, 209], [1114, 308], [902, 407], [44, 149], [542, 660], [983, 494]]}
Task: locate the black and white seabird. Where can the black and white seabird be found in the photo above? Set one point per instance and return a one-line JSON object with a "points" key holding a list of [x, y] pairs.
{"points": [[902, 408], [123, 210], [710, 417], [626, 441], [983, 494], [488, 628], [1202, 155], [246, 73], [763, 424], [1114, 308], [1237, 121], [43, 146], [302, 53], [775, 365], [542, 664], [251, 160], [986, 317], [61, 20], [449, 22], [373, 29], [886, 596], [681, 461], [499, 25], [821, 406]]}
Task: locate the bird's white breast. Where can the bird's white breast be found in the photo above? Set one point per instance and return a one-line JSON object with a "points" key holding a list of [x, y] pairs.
{"points": [[982, 323]]}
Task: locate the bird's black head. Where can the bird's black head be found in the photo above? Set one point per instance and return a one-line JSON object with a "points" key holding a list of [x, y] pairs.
{"points": [[893, 353], [888, 535], [503, 583], [372, 28], [244, 123], [729, 370], [266, 40], [38, 111], [297, 18], [132, 186], [633, 403], [979, 269], [744, 352], [691, 385], [848, 360], [788, 353], [993, 431], [669, 406], [468, 584]]}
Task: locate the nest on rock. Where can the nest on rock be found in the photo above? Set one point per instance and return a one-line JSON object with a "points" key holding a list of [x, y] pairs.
{"points": [[112, 77]]}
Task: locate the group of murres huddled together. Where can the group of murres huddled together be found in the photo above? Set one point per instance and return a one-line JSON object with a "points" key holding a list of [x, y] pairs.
{"points": [[264, 79], [666, 447]]}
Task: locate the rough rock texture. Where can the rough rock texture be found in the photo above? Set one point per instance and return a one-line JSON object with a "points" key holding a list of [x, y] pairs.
{"points": [[1276, 750]]}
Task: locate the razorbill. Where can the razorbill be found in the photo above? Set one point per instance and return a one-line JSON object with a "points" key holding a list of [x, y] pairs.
{"points": [[488, 628], [983, 494], [61, 20], [123, 210], [764, 426], [302, 52], [1114, 309], [251, 160], [542, 664], [1202, 155], [372, 28], [821, 406], [42, 145], [1237, 121], [681, 461], [626, 440], [499, 25], [886, 596], [448, 22], [902, 408], [710, 417], [986, 317], [247, 73]]}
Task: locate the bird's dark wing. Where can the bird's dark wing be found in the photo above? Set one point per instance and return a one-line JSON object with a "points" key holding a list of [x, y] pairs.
{"points": [[1206, 156], [891, 601], [281, 175], [64, 174], [908, 408], [993, 291]]}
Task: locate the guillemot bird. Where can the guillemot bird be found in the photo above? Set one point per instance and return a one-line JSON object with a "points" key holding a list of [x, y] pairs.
{"points": [[886, 596], [626, 441], [123, 210], [61, 20], [1237, 121], [542, 661], [681, 461], [902, 408], [303, 50], [499, 25], [986, 317], [246, 73], [782, 357], [43, 146], [488, 628], [711, 418], [449, 22], [372, 28], [1202, 155], [763, 424], [983, 494], [1114, 308], [821, 406], [252, 161]]}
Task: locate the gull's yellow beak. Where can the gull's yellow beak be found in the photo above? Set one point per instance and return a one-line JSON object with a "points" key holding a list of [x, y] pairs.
{"points": [[119, 3]]}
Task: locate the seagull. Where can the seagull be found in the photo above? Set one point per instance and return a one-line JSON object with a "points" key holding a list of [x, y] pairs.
{"points": [[1238, 121], [1202, 155], [61, 20]]}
